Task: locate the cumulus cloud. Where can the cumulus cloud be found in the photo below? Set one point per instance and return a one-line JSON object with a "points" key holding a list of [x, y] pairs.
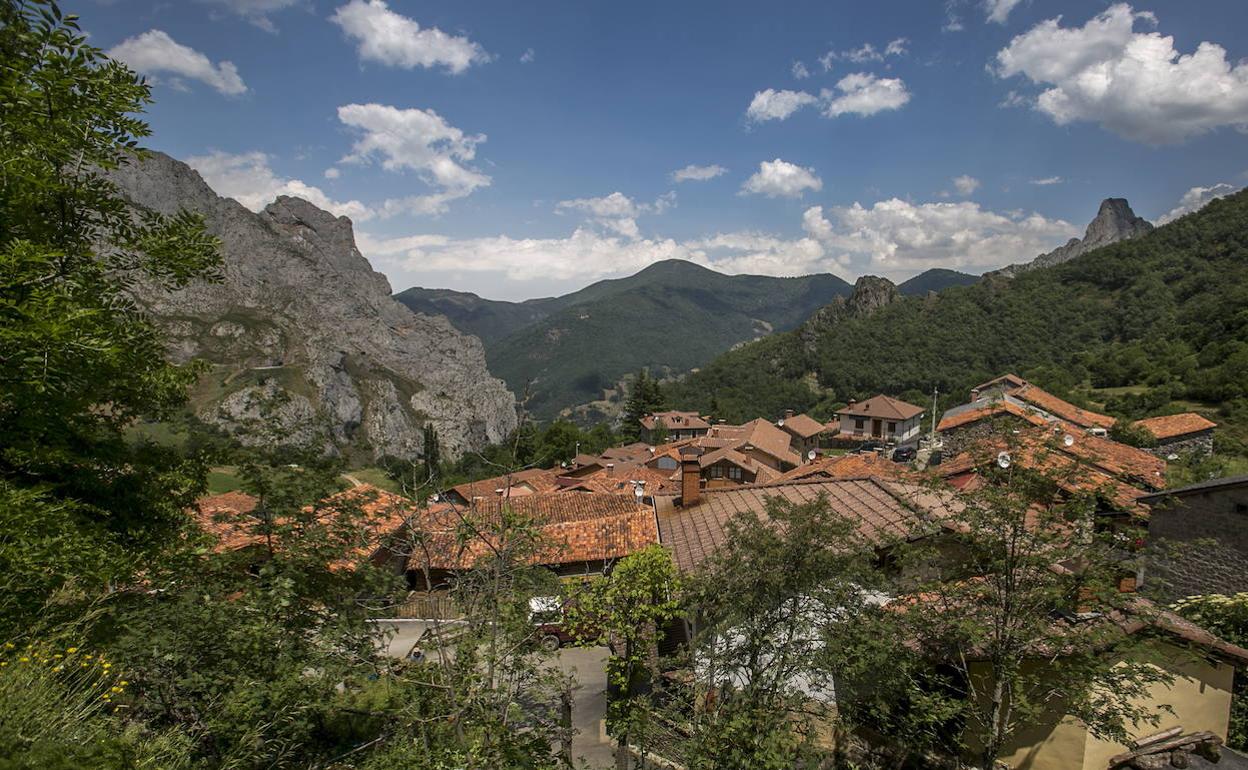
{"points": [[1195, 199], [332, 173], [617, 212], [248, 179], [692, 173], [999, 10], [896, 237], [866, 53], [799, 71], [781, 179], [965, 184], [864, 94], [394, 40], [420, 141], [1046, 181], [1134, 84], [893, 238], [155, 53], [255, 11], [777, 105]]}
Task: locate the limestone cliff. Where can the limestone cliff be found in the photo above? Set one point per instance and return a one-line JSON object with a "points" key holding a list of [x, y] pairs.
{"points": [[307, 344], [1115, 221], [870, 293]]}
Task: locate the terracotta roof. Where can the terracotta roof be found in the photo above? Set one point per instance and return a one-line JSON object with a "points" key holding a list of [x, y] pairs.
{"points": [[1144, 614], [883, 509], [675, 421], [801, 425], [884, 407], [851, 466], [1200, 487], [984, 409], [771, 440], [528, 481], [619, 481], [1175, 425], [225, 518], [1064, 409], [1009, 381], [572, 527]]}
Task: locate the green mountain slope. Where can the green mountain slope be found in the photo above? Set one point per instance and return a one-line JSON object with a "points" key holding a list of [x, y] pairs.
{"points": [[1166, 313], [936, 279], [486, 319], [672, 316]]}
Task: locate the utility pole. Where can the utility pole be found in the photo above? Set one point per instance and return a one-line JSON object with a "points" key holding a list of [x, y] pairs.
{"points": [[935, 391]]}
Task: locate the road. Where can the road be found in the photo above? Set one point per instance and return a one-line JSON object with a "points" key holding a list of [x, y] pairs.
{"points": [[589, 698]]}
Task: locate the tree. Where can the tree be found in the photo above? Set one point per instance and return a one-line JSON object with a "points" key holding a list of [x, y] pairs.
{"points": [[1027, 547], [627, 610], [432, 453], [79, 360], [644, 397], [1227, 617]]}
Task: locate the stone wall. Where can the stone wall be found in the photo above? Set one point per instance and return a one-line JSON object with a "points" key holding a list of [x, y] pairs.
{"points": [[1198, 543], [1191, 444]]}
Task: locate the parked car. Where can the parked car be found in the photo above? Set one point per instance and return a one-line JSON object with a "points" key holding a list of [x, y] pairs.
{"points": [[904, 454], [870, 446], [551, 626]]}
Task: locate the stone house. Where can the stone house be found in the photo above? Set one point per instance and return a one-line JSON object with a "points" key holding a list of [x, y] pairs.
{"points": [[1198, 538], [881, 418], [1179, 434], [672, 426], [804, 431]]}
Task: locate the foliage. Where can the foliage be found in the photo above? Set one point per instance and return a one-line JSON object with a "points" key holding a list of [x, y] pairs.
{"points": [[1227, 617], [1165, 310], [644, 397]]}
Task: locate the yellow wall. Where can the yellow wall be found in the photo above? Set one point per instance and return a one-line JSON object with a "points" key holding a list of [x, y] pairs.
{"points": [[1200, 696]]}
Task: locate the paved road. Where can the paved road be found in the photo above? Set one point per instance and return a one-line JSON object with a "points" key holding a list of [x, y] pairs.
{"points": [[589, 698]]}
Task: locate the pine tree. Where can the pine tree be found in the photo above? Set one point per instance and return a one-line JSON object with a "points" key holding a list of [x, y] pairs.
{"points": [[432, 453]]}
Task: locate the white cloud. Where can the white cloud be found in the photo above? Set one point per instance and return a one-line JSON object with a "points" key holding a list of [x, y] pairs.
{"points": [[248, 179], [155, 53], [864, 94], [1048, 180], [528, 56], [781, 179], [394, 40], [419, 140], [777, 105], [617, 212], [799, 71], [999, 10], [332, 173], [897, 47], [896, 237], [965, 184], [692, 173], [1134, 84], [255, 11], [1195, 199], [865, 53]]}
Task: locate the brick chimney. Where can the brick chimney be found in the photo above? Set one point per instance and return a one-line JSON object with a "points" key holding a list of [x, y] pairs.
{"points": [[690, 476], [788, 414], [610, 469]]}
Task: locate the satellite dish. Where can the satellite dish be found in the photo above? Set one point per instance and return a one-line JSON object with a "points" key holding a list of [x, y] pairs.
{"points": [[811, 455], [435, 497], [1068, 440], [563, 464], [780, 422], [1003, 459]]}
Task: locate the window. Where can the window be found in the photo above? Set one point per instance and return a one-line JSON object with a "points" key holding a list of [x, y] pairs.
{"points": [[734, 473], [716, 471], [859, 423], [892, 427], [667, 463]]}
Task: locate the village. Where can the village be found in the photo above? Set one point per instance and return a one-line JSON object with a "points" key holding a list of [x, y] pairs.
{"points": [[887, 466]]}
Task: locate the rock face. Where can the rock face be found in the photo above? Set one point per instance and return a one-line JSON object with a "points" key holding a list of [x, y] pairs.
{"points": [[308, 346], [1115, 221], [870, 294]]}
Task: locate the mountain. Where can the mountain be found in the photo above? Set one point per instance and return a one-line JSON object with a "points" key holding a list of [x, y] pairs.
{"points": [[486, 319], [307, 346], [1162, 311], [935, 279], [1114, 222], [671, 317]]}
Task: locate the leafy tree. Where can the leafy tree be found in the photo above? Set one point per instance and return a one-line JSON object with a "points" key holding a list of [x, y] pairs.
{"points": [[1227, 617], [79, 361]]}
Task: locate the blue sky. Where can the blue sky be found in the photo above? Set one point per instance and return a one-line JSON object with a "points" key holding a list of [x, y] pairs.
{"points": [[527, 149]]}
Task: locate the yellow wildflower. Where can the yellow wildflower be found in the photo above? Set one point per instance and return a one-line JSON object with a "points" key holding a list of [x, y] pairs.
{"points": [[23, 659], [72, 650]]}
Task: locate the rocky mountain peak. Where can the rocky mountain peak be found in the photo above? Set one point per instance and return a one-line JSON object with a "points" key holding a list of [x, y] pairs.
{"points": [[1114, 222], [871, 292]]}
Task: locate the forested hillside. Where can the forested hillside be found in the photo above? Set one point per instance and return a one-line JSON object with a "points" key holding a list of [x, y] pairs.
{"points": [[671, 317], [936, 279], [1137, 326]]}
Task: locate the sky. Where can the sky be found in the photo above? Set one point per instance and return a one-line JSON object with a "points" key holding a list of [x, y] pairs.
{"points": [[521, 150]]}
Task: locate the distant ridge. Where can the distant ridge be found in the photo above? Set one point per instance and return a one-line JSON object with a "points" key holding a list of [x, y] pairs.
{"points": [[935, 279]]}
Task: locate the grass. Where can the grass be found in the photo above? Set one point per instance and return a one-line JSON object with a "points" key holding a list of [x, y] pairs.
{"points": [[375, 476], [222, 479]]}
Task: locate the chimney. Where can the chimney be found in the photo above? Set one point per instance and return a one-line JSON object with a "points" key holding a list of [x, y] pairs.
{"points": [[788, 414], [690, 476], [610, 469]]}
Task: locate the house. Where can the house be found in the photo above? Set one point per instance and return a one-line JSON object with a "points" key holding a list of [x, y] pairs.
{"points": [[881, 418], [727, 466], [1179, 434], [1198, 538], [664, 426], [804, 431], [859, 465], [620, 478], [1043, 402], [577, 534], [965, 424], [529, 481]]}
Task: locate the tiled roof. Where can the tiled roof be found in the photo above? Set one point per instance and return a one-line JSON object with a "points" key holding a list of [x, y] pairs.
{"points": [[1199, 487], [1007, 381], [528, 481], [619, 480], [1175, 425], [985, 409], [675, 421], [771, 440], [851, 466], [884, 407], [1067, 411], [572, 527], [883, 509], [801, 425]]}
